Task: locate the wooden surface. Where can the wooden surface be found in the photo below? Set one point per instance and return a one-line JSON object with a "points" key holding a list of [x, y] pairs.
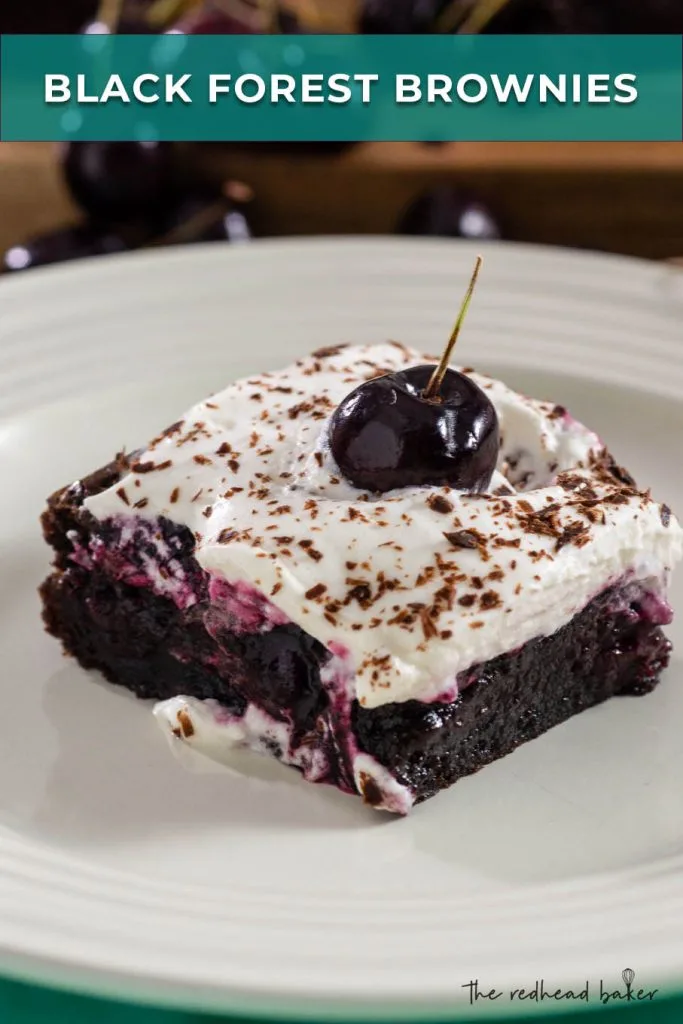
{"points": [[620, 197], [616, 197], [32, 196]]}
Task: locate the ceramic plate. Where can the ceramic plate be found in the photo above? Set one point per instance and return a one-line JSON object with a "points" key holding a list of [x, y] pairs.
{"points": [[125, 871]]}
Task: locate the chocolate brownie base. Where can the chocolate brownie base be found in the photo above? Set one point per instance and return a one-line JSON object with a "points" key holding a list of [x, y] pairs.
{"points": [[157, 650], [607, 649]]}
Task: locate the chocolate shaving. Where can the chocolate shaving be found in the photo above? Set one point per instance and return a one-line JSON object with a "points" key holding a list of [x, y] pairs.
{"points": [[361, 593], [369, 790], [185, 724], [438, 503], [312, 552], [575, 533], [149, 466], [174, 428], [428, 627], [328, 351], [462, 539], [296, 410], [225, 536]]}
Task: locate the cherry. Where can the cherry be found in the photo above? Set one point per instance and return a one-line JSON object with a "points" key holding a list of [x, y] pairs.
{"points": [[398, 16], [416, 427], [118, 181], [199, 218], [45, 16], [445, 212], [287, 23], [387, 435], [69, 243]]}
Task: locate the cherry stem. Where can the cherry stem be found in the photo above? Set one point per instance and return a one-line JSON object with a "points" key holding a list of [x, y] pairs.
{"points": [[436, 379], [193, 226], [233, 192]]}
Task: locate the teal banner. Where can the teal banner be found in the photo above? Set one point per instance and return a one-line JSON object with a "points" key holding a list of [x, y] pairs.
{"points": [[341, 88]]}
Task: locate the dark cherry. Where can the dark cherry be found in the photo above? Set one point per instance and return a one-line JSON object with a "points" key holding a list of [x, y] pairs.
{"points": [[380, 17], [45, 16], [288, 23], [426, 425], [387, 435], [445, 212], [69, 243], [119, 181]]}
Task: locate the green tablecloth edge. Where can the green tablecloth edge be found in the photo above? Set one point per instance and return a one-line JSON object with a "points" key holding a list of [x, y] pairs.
{"points": [[25, 1003]]}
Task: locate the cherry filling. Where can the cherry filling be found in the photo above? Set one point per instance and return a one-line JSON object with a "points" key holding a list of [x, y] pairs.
{"points": [[224, 642]]}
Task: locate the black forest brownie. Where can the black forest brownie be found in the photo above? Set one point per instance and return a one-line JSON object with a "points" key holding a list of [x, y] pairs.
{"points": [[282, 569]]}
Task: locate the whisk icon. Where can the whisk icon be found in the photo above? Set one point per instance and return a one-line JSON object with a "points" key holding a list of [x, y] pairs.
{"points": [[628, 975]]}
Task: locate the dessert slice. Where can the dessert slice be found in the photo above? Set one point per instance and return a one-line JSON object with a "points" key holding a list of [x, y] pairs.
{"points": [[385, 587]]}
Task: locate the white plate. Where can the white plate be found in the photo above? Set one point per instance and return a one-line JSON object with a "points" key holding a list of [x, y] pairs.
{"points": [[123, 872]]}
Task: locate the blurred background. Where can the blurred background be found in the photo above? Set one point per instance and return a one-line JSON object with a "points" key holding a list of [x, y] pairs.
{"points": [[63, 203]]}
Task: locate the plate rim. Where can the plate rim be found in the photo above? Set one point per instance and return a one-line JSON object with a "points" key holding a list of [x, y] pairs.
{"points": [[68, 977], [45, 274]]}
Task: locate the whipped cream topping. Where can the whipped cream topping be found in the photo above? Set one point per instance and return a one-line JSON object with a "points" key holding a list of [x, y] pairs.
{"points": [[417, 585], [210, 730]]}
